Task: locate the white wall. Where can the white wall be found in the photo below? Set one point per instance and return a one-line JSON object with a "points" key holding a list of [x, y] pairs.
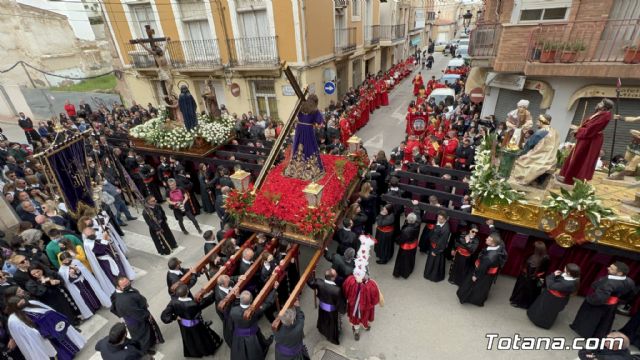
{"points": [[75, 12]]}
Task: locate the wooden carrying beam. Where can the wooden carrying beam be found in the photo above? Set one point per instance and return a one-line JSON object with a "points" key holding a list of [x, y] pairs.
{"points": [[228, 267], [299, 287], [276, 276], [203, 262], [432, 179], [241, 284]]}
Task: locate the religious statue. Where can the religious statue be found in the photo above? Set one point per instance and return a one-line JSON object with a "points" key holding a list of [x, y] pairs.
{"points": [[211, 101], [164, 68], [305, 146], [581, 162], [518, 122], [174, 109], [632, 155], [539, 153], [188, 108]]}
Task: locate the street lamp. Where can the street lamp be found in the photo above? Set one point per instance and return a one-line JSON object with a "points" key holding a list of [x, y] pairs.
{"points": [[466, 20]]}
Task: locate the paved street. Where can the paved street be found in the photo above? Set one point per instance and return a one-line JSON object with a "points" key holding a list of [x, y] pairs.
{"points": [[420, 319]]}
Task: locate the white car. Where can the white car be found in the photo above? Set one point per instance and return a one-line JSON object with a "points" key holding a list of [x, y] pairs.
{"points": [[463, 51], [445, 95], [455, 63]]}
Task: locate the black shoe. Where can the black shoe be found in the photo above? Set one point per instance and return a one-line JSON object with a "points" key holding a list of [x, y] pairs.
{"points": [[208, 323], [132, 218], [123, 224], [269, 340], [185, 232], [151, 352], [199, 231], [452, 282], [379, 261]]}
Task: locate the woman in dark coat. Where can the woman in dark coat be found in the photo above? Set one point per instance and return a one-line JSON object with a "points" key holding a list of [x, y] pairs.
{"points": [[47, 287], [466, 245], [408, 241], [206, 196], [434, 269], [384, 234], [358, 217], [369, 206], [529, 283], [559, 287]]}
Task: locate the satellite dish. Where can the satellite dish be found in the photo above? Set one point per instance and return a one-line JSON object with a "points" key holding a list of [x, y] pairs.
{"points": [[329, 75]]}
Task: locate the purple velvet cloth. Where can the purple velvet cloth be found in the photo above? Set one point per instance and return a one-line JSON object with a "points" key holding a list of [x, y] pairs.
{"points": [[306, 135]]}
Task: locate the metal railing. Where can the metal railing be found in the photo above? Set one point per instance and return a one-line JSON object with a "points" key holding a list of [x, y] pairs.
{"points": [[186, 54], [585, 41], [372, 34], [392, 32], [261, 51], [345, 40], [484, 40]]}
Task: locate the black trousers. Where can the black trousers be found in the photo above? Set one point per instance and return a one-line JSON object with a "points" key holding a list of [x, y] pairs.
{"points": [[180, 217]]}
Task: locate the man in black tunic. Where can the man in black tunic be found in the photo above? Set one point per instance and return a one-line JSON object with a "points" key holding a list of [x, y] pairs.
{"points": [[558, 289], [175, 273], [342, 264], [385, 232], [198, 339], [464, 155], [408, 241], [248, 341], [332, 304], [27, 126], [222, 289], [477, 284], [159, 230], [148, 176], [345, 237], [596, 315], [434, 269], [289, 337], [465, 245], [116, 346], [128, 304]]}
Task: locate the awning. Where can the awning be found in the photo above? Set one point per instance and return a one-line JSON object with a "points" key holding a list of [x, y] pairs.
{"points": [[628, 92], [475, 79], [506, 81], [415, 41]]}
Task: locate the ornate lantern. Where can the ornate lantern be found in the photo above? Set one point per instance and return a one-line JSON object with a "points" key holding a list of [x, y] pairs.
{"points": [[313, 194], [354, 144], [241, 180], [466, 20]]}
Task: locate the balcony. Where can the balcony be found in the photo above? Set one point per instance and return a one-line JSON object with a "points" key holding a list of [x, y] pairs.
{"points": [[182, 55], [431, 17], [345, 40], [255, 51], [372, 35], [573, 49], [484, 40], [391, 33]]}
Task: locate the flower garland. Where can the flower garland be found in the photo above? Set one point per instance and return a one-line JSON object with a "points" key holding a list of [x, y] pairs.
{"points": [[316, 221], [485, 184], [163, 134]]}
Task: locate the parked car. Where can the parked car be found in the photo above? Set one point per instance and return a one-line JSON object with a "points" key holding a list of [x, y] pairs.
{"points": [[449, 78], [463, 51], [445, 95], [455, 63], [440, 46]]}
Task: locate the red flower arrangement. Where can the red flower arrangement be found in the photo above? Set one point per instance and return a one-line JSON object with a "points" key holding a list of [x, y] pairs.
{"points": [[291, 206], [237, 203]]}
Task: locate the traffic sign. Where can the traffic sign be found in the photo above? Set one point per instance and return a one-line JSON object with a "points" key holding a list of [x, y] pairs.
{"points": [[476, 95], [329, 87]]}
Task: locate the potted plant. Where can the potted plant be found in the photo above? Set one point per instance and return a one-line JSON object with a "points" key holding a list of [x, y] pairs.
{"points": [[549, 50], [577, 212], [631, 54], [570, 51]]}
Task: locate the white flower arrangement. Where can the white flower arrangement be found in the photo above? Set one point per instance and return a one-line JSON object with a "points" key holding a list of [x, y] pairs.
{"points": [[162, 134], [486, 185]]}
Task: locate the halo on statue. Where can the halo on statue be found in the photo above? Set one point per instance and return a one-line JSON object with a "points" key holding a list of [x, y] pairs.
{"points": [[183, 82]]}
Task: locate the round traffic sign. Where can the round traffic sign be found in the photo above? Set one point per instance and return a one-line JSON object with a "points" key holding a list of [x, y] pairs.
{"points": [[235, 90], [329, 87], [476, 95]]}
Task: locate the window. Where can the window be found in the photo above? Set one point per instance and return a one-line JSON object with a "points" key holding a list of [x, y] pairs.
{"points": [[540, 10], [355, 9], [543, 14], [143, 15], [253, 23], [265, 98]]}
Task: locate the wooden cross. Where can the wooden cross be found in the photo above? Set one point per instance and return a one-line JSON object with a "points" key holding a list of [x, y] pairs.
{"points": [[158, 55], [279, 143]]}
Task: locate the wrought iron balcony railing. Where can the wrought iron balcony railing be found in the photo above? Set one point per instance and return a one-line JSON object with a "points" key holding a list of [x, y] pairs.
{"points": [[372, 34], [255, 51], [392, 32]]}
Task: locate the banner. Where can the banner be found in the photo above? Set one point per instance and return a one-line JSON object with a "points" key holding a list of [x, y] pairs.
{"points": [[69, 167]]}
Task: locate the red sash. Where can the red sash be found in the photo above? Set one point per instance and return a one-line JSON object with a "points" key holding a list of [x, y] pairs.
{"points": [[409, 246], [28, 129], [433, 245], [557, 293], [166, 173], [462, 160], [490, 271], [612, 300], [462, 251], [385, 229], [148, 180], [431, 226]]}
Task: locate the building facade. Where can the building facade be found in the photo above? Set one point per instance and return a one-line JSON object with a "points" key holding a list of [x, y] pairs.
{"points": [[562, 56], [240, 44]]}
